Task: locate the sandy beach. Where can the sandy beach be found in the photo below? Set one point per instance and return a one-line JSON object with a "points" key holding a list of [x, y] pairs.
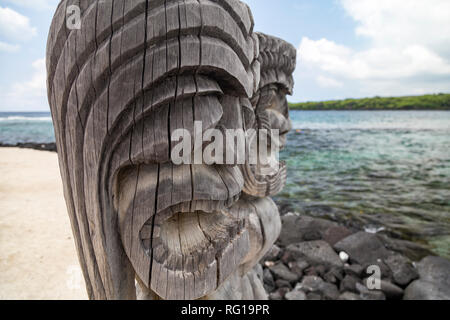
{"points": [[37, 254]]}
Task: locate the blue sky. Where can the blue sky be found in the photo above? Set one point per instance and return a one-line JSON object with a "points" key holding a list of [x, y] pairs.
{"points": [[346, 48]]}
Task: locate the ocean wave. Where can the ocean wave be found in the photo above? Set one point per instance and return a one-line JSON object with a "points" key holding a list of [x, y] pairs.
{"points": [[25, 119], [442, 126]]}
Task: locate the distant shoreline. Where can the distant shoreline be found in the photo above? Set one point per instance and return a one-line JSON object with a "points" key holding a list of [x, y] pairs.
{"points": [[435, 102], [31, 145]]}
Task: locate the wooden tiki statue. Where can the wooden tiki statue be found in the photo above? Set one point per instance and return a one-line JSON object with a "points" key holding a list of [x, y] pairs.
{"points": [[119, 85]]}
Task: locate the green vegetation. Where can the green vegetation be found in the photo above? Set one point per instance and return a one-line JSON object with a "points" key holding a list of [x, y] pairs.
{"points": [[427, 102]]}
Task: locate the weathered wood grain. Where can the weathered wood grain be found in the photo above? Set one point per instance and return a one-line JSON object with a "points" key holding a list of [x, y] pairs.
{"points": [[118, 88]]}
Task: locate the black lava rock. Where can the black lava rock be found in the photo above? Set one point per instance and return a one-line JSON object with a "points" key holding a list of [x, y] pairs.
{"points": [[315, 253], [434, 280], [280, 271], [363, 248], [403, 272]]}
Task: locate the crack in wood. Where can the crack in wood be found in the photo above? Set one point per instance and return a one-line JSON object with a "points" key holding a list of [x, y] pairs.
{"points": [[196, 60]]}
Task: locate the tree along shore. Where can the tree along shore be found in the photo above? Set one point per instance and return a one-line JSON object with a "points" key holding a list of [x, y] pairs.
{"points": [[426, 102]]}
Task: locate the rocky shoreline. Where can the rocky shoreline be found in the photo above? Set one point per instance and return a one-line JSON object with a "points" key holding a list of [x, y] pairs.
{"points": [[32, 145], [317, 259]]}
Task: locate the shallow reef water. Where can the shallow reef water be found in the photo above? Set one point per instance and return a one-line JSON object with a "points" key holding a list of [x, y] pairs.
{"points": [[382, 171]]}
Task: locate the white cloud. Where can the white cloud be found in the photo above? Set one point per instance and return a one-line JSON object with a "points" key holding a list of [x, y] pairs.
{"points": [[6, 47], [400, 23], [36, 86], [15, 26], [39, 5], [374, 63], [27, 95], [327, 82], [408, 51]]}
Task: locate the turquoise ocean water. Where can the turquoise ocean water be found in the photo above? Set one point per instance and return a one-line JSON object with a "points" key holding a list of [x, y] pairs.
{"points": [[387, 171], [26, 127], [378, 170]]}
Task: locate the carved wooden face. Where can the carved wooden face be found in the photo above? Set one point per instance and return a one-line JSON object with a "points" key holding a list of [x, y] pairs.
{"points": [[134, 73], [187, 228]]}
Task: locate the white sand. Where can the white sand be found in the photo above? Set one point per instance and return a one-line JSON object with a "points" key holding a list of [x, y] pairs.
{"points": [[37, 253]]}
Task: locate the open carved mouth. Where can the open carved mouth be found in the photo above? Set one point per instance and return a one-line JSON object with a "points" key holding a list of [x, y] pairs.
{"points": [[188, 248], [203, 248]]}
